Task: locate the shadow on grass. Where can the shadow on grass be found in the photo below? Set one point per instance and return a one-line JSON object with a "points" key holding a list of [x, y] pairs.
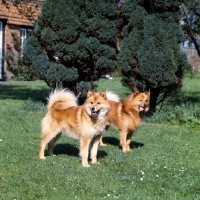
{"points": [[190, 97], [115, 142], [71, 150], [23, 92], [67, 149]]}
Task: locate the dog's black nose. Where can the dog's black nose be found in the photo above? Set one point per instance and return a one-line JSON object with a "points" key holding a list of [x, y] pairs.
{"points": [[93, 108], [145, 105]]}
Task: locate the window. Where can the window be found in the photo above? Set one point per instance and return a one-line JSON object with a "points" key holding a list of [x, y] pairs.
{"points": [[23, 34]]}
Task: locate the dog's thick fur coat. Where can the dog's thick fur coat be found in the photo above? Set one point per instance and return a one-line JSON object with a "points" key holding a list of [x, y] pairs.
{"points": [[126, 116], [86, 122]]}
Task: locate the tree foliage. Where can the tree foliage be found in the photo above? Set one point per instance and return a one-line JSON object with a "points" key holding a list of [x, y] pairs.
{"points": [[72, 43], [191, 25], [193, 11], [150, 56]]}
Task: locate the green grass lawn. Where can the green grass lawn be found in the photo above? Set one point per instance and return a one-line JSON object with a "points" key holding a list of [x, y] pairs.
{"points": [[163, 164]]}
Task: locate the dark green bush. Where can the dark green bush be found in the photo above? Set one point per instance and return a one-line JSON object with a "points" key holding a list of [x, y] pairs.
{"points": [[73, 43], [150, 56]]}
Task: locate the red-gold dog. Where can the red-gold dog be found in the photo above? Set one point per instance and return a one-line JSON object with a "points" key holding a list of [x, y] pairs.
{"points": [[86, 122], [126, 116]]}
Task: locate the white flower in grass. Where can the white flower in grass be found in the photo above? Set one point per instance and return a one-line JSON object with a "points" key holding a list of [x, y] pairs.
{"points": [[142, 172], [0, 140], [142, 178], [157, 176], [108, 195], [182, 169]]}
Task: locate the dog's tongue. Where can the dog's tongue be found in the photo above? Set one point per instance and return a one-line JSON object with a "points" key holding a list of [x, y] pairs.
{"points": [[141, 108], [94, 113]]}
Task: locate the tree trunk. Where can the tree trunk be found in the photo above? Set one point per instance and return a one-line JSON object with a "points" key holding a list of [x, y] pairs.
{"points": [[190, 30], [153, 99]]}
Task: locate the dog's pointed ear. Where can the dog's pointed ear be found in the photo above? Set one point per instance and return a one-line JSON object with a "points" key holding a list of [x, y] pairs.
{"points": [[136, 93], [147, 93], [89, 93], [103, 94]]}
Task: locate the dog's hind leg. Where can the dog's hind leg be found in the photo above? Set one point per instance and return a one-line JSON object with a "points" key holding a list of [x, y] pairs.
{"points": [[123, 136], [128, 141], [51, 144], [94, 149], [46, 138], [101, 141], [101, 138], [84, 150]]}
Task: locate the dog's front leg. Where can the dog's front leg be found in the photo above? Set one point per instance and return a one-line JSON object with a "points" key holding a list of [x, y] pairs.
{"points": [[84, 149], [94, 149]]}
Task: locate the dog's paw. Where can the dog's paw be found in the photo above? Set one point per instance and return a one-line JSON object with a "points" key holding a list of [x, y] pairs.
{"points": [[42, 157], [126, 151], [86, 165], [95, 162], [103, 145]]}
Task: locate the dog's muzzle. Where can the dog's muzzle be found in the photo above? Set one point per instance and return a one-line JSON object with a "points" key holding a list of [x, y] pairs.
{"points": [[142, 108], [94, 112]]}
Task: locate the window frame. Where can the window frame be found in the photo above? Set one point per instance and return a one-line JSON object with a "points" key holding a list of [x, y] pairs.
{"points": [[23, 34]]}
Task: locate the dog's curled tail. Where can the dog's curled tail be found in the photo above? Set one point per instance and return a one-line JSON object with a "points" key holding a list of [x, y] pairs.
{"points": [[61, 99], [112, 96]]}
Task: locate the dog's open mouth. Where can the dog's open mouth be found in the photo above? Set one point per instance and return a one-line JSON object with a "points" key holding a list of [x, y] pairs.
{"points": [[142, 108], [94, 113]]}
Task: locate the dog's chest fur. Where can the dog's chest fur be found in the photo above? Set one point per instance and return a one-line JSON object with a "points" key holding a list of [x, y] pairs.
{"points": [[80, 123]]}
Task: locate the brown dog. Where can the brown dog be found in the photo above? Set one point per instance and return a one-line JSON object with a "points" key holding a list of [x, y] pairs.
{"points": [[127, 115], [86, 122]]}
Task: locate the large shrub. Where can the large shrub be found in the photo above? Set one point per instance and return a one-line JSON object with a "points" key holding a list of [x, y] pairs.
{"points": [[150, 56], [73, 43]]}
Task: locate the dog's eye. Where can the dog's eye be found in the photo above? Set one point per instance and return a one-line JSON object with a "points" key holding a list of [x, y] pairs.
{"points": [[98, 103], [91, 102]]}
